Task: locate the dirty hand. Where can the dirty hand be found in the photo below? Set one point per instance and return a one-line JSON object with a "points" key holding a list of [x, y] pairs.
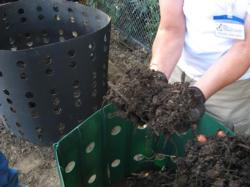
{"points": [[198, 107]]}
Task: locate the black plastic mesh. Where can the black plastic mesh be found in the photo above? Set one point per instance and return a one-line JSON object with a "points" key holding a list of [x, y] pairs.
{"points": [[53, 66]]}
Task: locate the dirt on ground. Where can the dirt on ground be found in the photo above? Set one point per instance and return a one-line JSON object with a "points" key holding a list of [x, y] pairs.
{"points": [[36, 164]]}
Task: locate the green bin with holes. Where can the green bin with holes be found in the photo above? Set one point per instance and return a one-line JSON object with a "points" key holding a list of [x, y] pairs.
{"points": [[105, 148]]}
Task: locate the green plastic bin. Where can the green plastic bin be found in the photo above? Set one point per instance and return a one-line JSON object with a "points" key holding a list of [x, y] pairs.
{"points": [[105, 148]]}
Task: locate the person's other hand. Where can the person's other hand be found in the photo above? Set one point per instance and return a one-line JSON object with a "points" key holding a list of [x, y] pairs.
{"points": [[197, 104]]}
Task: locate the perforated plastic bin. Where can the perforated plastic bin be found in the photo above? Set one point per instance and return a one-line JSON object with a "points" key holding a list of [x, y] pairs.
{"points": [[105, 148], [53, 66]]}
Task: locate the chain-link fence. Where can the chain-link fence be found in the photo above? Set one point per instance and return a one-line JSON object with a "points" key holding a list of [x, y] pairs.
{"points": [[137, 19]]}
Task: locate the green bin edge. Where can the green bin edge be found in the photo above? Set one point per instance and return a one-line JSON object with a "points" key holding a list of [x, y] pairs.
{"points": [[114, 137]]}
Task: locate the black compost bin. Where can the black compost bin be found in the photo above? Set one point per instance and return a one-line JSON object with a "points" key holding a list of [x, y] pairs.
{"points": [[53, 66]]}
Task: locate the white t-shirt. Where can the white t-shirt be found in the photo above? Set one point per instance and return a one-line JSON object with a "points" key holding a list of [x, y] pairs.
{"points": [[202, 47]]}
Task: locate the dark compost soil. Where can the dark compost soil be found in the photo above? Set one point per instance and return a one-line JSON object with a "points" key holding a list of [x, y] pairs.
{"points": [[146, 97], [149, 179], [220, 162]]}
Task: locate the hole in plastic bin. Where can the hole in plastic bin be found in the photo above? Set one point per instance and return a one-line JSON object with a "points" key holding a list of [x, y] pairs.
{"points": [[12, 41], [116, 130], [70, 10], [94, 84], [45, 33], [23, 19], [78, 102], [55, 101], [55, 8], [39, 130], [7, 26], [53, 92], [34, 114], [6, 92], [105, 48], [104, 66], [61, 39], [84, 14], [90, 147], [76, 93], [32, 104], [141, 127], [94, 93], [45, 40], [18, 124], [76, 84], [20, 11], [61, 128], [39, 8], [115, 163], [23, 76], [1, 74], [85, 23], [105, 38], [80, 120], [57, 18], [74, 34], [57, 110], [4, 17], [29, 95], [72, 19], [72, 64], [94, 75], [61, 32], [13, 48], [92, 56], [9, 100], [29, 44], [40, 17], [49, 71], [40, 137], [92, 179], [21, 132], [138, 157], [48, 60], [12, 109], [94, 108], [27, 35], [71, 53], [98, 17], [70, 166]]}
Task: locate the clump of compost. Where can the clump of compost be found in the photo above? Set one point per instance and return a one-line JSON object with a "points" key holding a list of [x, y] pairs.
{"points": [[149, 179], [220, 162], [144, 96]]}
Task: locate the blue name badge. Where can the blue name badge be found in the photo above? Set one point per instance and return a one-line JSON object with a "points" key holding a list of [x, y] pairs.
{"points": [[229, 27]]}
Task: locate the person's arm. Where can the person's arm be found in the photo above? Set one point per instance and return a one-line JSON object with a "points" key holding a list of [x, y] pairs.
{"points": [[229, 68], [169, 39]]}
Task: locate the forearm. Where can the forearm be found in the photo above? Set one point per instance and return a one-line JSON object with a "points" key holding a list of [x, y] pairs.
{"points": [[227, 70], [167, 50]]}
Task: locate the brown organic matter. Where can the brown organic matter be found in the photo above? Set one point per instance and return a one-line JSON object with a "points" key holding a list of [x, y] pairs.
{"points": [[220, 162], [145, 97], [149, 179]]}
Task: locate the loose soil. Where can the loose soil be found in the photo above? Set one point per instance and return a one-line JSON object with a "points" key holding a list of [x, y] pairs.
{"points": [[220, 162], [149, 179], [145, 97]]}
